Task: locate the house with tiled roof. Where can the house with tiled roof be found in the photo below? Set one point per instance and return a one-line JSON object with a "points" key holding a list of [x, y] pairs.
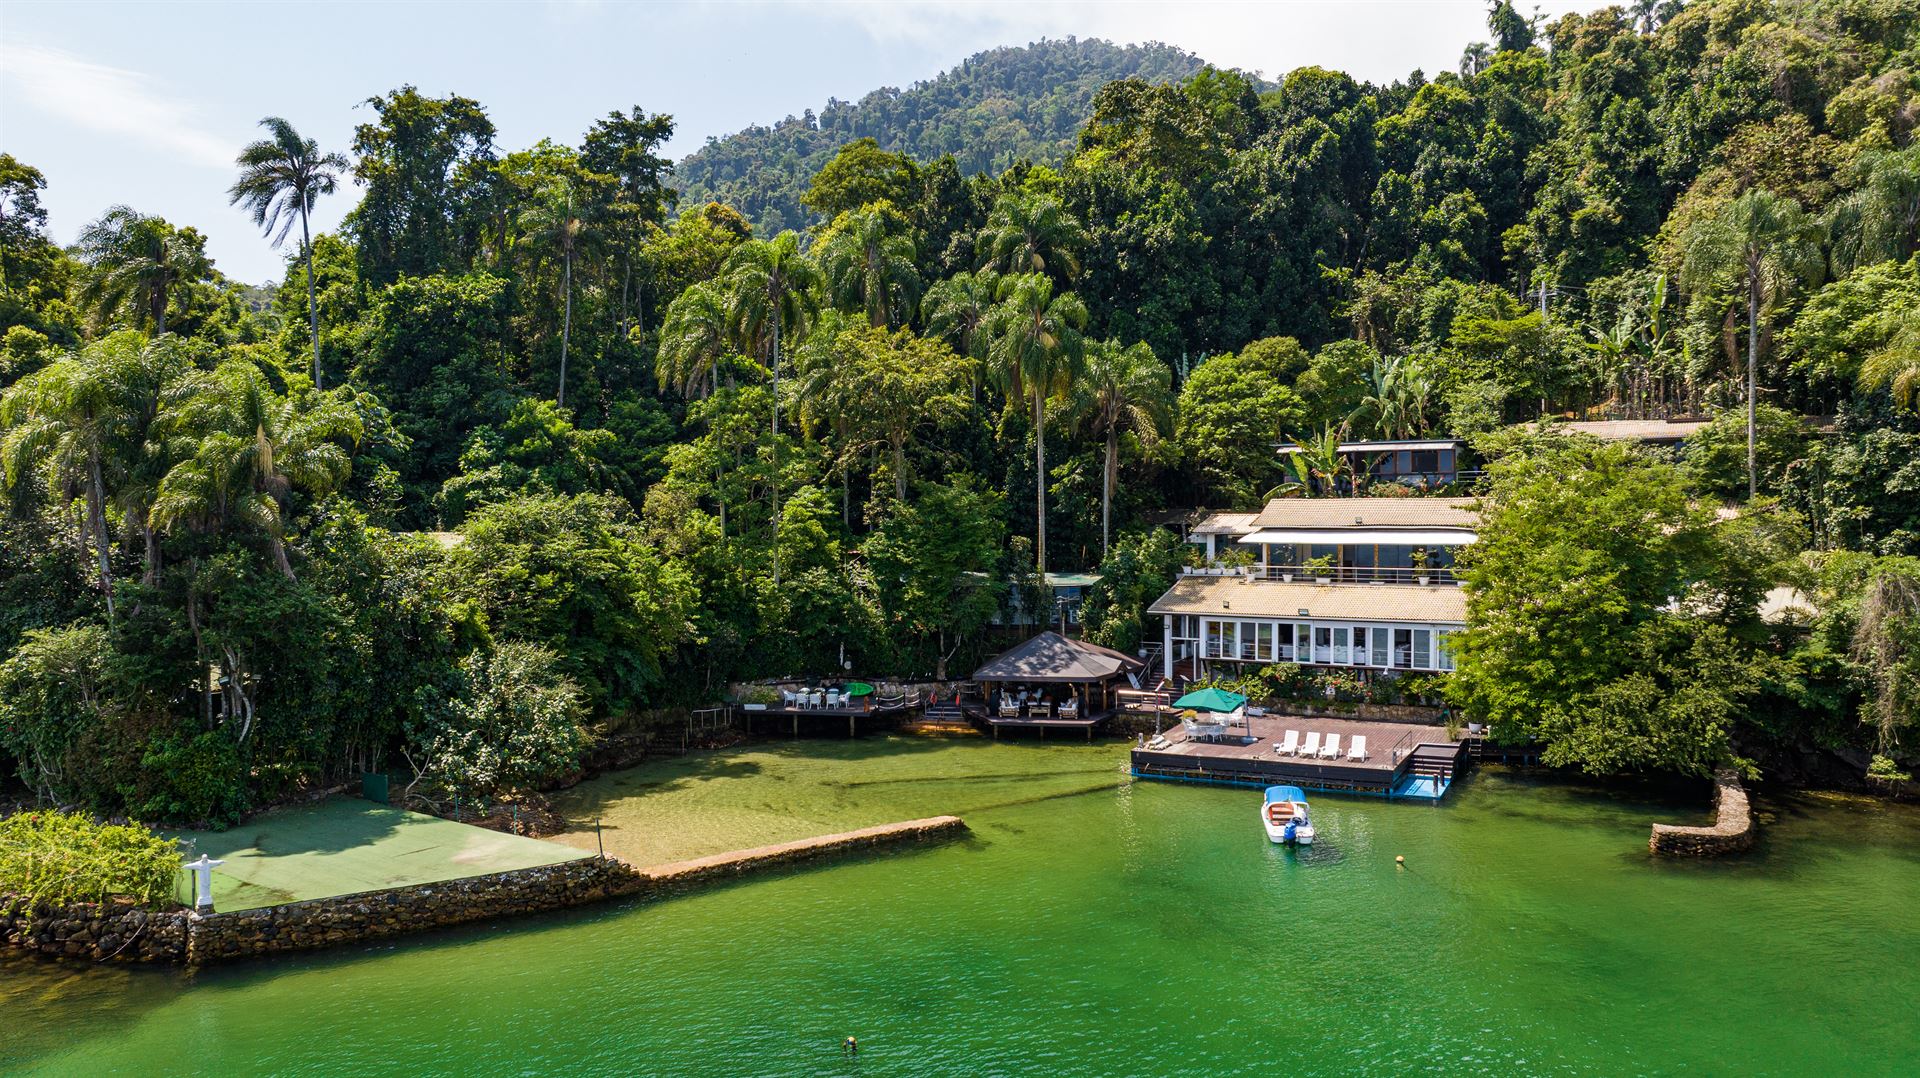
{"points": [[1365, 583]]}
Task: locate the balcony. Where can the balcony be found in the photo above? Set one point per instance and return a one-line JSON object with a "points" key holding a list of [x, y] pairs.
{"points": [[1358, 574]]}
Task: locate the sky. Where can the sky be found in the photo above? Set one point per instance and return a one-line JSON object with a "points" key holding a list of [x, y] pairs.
{"points": [[147, 103]]}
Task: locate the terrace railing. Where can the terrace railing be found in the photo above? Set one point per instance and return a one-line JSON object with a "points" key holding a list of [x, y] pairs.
{"points": [[1358, 574]]}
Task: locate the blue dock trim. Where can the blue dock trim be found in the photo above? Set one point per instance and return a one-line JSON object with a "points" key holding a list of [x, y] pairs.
{"points": [[1411, 788]]}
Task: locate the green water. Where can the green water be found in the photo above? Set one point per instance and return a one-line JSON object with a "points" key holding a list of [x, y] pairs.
{"points": [[1091, 926]]}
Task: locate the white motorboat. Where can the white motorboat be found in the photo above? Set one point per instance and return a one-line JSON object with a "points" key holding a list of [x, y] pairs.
{"points": [[1284, 814]]}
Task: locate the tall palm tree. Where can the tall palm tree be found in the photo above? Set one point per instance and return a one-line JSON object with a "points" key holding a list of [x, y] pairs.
{"points": [[1037, 354], [554, 227], [1031, 233], [694, 339], [280, 178], [773, 290], [68, 417], [1880, 218], [868, 262], [1761, 244], [255, 448], [1124, 389], [136, 263]]}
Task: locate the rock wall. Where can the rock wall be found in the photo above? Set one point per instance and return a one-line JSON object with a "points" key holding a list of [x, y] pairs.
{"points": [[96, 932], [1732, 830], [123, 933]]}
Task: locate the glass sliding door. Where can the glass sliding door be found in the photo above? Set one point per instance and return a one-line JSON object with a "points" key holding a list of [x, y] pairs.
{"points": [[1342, 637], [1422, 649], [1302, 642], [1378, 635]]}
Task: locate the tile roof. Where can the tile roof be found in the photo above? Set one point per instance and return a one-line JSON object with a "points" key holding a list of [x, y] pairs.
{"points": [[1369, 513], [1337, 602], [1224, 524], [1637, 430]]}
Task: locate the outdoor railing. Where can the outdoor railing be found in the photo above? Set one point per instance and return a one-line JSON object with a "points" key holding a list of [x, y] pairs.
{"points": [[1400, 748], [1359, 574]]}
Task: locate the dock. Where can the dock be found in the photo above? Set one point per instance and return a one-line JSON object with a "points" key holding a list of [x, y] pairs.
{"points": [[1403, 760]]}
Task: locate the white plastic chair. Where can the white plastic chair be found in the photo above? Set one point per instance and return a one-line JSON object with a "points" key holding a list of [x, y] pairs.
{"points": [[1331, 750], [1358, 750], [1311, 746], [1289, 744]]}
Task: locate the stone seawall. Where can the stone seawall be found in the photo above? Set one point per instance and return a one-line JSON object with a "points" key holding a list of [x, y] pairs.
{"points": [[123, 933], [681, 875], [329, 922], [94, 931], [1732, 830]]}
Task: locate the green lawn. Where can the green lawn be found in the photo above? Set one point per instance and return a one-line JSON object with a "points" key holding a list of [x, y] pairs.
{"points": [[344, 846]]}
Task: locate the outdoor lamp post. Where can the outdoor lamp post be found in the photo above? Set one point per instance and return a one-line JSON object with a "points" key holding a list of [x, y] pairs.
{"points": [[203, 882]]}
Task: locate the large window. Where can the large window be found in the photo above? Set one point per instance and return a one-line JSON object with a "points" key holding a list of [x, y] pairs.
{"points": [[1302, 642], [1342, 637], [1378, 636], [1263, 642], [1443, 649]]}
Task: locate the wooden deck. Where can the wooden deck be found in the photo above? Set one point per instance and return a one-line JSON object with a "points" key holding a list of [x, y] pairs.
{"points": [[1396, 754], [981, 712]]}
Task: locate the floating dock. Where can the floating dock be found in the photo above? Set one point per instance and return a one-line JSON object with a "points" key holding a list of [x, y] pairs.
{"points": [[1403, 761]]}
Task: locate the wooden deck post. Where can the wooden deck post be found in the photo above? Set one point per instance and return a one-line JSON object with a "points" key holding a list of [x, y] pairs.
{"points": [[850, 733]]}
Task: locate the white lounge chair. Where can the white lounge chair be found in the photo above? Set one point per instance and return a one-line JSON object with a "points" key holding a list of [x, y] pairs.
{"points": [[1358, 750], [1289, 744], [1331, 750], [1009, 709], [1311, 746]]}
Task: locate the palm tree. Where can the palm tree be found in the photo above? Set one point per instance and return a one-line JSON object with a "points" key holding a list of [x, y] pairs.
{"points": [[1880, 219], [67, 417], [136, 264], [280, 178], [1124, 389], [1761, 244], [957, 310], [694, 338], [553, 226], [1037, 353], [868, 263], [1897, 367], [772, 289], [255, 448], [1030, 233]]}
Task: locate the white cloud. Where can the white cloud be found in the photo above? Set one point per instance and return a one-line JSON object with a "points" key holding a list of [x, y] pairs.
{"points": [[108, 100]]}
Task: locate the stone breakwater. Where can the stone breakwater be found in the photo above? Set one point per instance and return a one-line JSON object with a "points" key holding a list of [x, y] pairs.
{"points": [[124, 933], [1732, 830], [95, 931]]}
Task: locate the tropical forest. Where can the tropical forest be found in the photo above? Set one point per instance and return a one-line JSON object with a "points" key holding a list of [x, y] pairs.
{"points": [[553, 442]]}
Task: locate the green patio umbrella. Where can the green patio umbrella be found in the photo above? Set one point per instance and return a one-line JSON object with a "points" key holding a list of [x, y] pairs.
{"points": [[1219, 700], [859, 688]]}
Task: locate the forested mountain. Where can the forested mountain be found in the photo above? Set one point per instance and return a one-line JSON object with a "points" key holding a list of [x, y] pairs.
{"points": [[676, 453], [995, 108]]}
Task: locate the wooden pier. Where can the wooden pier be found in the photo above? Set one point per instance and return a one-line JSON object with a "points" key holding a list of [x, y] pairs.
{"points": [[1402, 760]]}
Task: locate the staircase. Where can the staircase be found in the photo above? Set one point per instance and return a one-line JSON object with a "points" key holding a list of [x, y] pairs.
{"points": [[1439, 762], [942, 718]]}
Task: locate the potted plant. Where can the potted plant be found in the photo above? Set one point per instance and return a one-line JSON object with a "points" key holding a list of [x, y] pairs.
{"points": [[1420, 565], [1321, 568], [758, 697]]}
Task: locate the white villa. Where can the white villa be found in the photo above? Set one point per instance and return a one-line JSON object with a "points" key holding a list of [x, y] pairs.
{"points": [[1354, 582]]}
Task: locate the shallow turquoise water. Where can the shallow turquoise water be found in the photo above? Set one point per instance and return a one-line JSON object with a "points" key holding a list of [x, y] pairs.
{"points": [[1120, 929]]}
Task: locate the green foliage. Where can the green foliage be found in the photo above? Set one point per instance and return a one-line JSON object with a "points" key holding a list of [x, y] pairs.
{"points": [[575, 575], [506, 720], [1716, 459], [1572, 634], [1138, 569], [58, 857], [1232, 411], [996, 108]]}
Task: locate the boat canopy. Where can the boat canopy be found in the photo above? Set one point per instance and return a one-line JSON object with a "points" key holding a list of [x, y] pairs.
{"points": [[1285, 793]]}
